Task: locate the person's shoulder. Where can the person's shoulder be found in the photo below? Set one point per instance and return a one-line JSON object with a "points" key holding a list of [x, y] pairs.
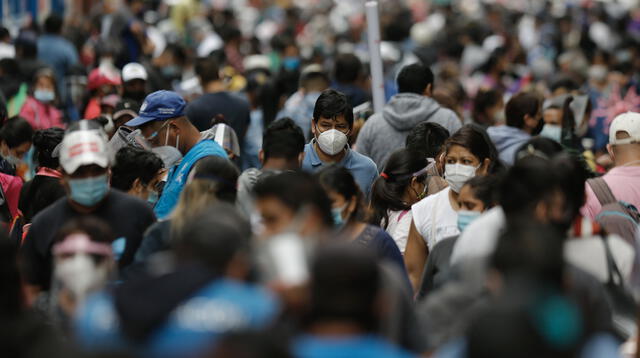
{"points": [[45, 216], [248, 179], [363, 160], [121, 200], [209, 147]]}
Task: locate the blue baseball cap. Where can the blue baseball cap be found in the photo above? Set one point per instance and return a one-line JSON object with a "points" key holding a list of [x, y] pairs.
{"points": [[159, 106]]}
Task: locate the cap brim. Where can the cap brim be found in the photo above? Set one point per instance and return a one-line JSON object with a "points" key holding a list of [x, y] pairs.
{"points": [[138, 121], [124, 112], [88, 158]]}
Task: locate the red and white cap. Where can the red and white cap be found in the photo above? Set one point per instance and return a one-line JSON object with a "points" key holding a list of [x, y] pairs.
{"points": [[627, 122], [83, 147]]}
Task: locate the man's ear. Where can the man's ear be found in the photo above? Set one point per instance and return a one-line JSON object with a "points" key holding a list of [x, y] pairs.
{"points": [[4, 148], [428, 91], [611, 152], [174, 125], [137, 187], [313, 126], [261, 156], [301, 158]]}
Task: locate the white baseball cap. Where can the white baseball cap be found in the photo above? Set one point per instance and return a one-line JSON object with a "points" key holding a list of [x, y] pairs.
{"points": [[133, 71], [627, 122], [83, 147]]}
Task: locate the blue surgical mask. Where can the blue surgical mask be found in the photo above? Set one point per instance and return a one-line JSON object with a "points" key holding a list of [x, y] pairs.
{"points": [[465, 218], [337, 215], [44, 96], [152, 198], [552, 131], [89, 191], [171, 71], [291, 63]]}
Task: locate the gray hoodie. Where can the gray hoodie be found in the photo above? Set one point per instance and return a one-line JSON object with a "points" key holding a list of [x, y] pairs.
{"points": [[384, 133]]}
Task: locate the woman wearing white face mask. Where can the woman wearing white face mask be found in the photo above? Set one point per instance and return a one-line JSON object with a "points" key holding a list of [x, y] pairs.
{"points": [[349, 215], [468, 153], [39, 109]]}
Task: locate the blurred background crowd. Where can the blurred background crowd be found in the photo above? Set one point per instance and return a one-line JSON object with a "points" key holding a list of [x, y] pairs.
{"points": [[199, 178]]}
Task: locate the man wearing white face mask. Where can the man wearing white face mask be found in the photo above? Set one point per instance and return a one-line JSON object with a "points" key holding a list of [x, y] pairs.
{"points": [[163, 122], [331, 124]]}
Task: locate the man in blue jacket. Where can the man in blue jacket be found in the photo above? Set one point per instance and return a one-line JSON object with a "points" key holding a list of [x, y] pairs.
{"points": [[163, 123]]}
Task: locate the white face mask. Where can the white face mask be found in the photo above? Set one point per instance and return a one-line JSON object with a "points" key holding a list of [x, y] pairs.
{"points": [[458, 174], [332, 141], [80, 274]]}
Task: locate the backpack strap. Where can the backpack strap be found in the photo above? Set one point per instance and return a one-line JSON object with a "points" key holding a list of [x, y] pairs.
{"points": [[602, 191]]}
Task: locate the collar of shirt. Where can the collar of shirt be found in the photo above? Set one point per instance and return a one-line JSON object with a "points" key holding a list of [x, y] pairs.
{"points": [[315, 159]]}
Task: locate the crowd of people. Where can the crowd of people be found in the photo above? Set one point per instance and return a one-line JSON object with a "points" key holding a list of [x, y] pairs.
{"points": [[203, 179]]}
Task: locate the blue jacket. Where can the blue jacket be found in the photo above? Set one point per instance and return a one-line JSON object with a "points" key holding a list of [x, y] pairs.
{"points": [[179, 173], [195, 325]]}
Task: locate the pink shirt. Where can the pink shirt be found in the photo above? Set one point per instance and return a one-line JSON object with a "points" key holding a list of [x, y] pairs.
{"points": [[40, 115], [624, 183]]}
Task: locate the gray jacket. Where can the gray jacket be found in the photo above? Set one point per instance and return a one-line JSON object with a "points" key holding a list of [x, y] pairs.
{"points": [[384, 133]]}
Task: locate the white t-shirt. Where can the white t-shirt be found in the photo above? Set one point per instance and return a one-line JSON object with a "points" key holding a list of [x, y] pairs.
{"points": [[398, 228], [435, 219], [480, 237]]}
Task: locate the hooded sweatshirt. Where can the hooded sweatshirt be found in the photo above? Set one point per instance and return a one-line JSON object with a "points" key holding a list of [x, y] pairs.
{"points": [[384, 133], [508, 140]]}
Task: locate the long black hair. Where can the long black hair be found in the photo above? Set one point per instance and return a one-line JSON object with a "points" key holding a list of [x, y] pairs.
{"points": [[45, 141], [387, 191]]}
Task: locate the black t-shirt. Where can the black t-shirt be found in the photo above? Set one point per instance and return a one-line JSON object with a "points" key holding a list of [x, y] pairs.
{"points": [[127, 216], [39, 193], [235, 110]]}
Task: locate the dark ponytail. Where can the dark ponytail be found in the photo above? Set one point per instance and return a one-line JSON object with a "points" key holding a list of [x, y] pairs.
{"points": [[389, 188], [45, 141]]}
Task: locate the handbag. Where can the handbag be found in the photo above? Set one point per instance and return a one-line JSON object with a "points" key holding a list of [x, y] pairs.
{"points": [[623, 305]]}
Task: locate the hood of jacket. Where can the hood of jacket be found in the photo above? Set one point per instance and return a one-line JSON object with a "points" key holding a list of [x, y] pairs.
{"points": [[405, 110], [505, 136]]}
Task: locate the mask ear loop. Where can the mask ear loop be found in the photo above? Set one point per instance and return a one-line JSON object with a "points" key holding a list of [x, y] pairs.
{"points": [[166, 138]]}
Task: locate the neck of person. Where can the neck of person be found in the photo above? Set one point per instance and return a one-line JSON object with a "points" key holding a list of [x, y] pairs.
{"points": [[453, 199], [190, 140], [336, 328], [353, 229], [213, 87], [326, 158], [627, 160], [81, 209], [280, 164]]}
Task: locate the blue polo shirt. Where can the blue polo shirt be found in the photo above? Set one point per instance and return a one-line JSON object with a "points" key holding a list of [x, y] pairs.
{"points": [[363, 169]]}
